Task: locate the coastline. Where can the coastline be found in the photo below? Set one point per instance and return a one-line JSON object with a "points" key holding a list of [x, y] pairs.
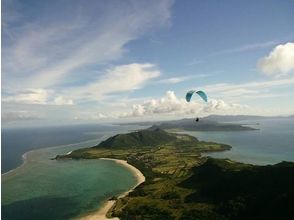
{"points": [[24, 156], [101, 213], [24, 161]]}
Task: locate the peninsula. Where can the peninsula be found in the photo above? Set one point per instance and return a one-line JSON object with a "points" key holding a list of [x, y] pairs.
{"points": [[181, 184]]}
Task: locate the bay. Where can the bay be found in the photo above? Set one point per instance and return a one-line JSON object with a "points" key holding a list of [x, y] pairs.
{"points": [[36, 187], [272, 143], [49, 189]]}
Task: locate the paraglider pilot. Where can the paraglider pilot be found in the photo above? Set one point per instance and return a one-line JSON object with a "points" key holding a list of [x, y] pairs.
{"points": [[200, 93]]}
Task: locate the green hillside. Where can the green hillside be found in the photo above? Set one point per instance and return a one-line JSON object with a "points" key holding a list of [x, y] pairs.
{"points": [[218, 189], [147, 137], [181, 184], [242, 191]]}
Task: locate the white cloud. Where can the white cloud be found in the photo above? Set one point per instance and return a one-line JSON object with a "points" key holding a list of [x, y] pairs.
{"points": [[59, 56], [117, 79], [101, 116], [60, 100], [170, 104], [37, 96], [220, 106], [279, 61], [173, 80], [249, 89], [29, 96], [246, 47], [178, 79], [91, 116], [47, 51]]}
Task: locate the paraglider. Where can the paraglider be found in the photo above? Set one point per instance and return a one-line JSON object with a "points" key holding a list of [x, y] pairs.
{"points": [[200, 93]]}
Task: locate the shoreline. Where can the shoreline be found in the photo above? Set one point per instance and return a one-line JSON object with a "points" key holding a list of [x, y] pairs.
{"points": [[24, 156], [101, 213]]}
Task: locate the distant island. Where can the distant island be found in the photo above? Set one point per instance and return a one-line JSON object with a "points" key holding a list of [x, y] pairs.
{"points": [[181, 184], [239, 118], [189, 124], [211, 123]]}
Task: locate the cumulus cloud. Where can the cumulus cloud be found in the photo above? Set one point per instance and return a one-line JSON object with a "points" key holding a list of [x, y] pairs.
{"points": [[170, 104], [280, 60], [215, 106]]}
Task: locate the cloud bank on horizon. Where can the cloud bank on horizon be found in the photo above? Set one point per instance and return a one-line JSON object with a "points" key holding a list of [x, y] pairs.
{"points": [[171, 105], [66, 61]]}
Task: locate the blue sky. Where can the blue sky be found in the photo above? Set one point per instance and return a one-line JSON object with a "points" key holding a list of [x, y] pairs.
{"points": [[71, 62]]}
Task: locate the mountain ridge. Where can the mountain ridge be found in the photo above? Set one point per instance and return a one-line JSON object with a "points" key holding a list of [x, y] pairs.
{"points": [[148, 137]]}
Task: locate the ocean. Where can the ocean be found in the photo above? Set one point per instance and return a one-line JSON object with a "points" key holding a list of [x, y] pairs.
{"points": [[41, 188], [17, 141], [272, 143]]}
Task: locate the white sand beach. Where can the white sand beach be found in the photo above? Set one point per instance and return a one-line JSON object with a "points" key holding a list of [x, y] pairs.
{"points": [[101, 213]]}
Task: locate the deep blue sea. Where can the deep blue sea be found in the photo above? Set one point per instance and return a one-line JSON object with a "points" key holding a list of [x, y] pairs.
{"points": [[17, 141]]}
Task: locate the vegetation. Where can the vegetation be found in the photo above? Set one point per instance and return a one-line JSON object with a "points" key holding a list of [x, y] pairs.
{"points": [[241, 191], [148, 137], [180, 184]]}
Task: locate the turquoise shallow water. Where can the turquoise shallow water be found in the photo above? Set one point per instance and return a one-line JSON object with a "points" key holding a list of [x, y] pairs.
{"points": [[272, 143], [17, 141], [50, 189]]}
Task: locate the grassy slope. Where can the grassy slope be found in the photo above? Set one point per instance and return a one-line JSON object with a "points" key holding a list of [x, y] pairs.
{"points": [[182, 185], [165, 162], [242, 191], [147, 137]]}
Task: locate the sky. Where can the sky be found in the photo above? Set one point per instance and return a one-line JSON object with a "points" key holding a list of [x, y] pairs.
{"points": [[71, 61]]}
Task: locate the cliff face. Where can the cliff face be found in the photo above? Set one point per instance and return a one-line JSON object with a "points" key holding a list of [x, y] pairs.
{"points": [[148, 137]]}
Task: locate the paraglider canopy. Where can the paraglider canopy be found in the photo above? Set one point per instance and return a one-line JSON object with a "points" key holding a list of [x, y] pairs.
{"points": [[200, 93]]}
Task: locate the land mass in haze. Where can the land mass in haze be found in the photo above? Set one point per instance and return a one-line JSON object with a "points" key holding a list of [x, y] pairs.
{"points": [[180, 184], [189, 124], [212, 123]]}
